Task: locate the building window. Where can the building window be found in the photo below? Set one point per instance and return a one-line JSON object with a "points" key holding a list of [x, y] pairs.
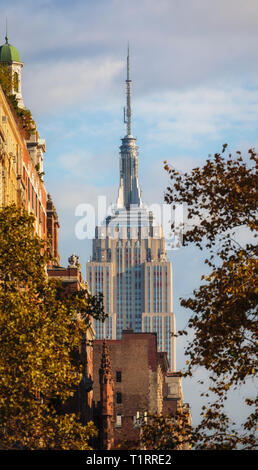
{"points": [[16, 82], [118, 376], [119, 397], [118, 420]]}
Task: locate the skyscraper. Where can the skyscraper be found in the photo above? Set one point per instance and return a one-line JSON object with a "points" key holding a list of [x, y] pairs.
{"points": [[129, 263]]}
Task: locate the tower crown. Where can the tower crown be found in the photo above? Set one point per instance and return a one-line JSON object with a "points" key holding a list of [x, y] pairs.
{"points": [[129, 190], [9, 53], [10, 57]]}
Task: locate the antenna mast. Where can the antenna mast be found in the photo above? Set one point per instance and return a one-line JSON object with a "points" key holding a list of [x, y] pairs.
{"points": [[6, 32], [127, 110]]}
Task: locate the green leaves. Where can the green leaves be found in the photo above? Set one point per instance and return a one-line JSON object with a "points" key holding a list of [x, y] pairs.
{"points": [[6, 80], [171, 432], [40, 330], [221, 197]]}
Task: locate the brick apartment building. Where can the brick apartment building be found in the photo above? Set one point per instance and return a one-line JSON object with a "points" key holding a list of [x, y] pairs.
{"points": [[72, 281], [142, 383]]}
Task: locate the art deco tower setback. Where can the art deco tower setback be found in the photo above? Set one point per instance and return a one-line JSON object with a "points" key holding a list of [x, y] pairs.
{"points": [[129, 263]]}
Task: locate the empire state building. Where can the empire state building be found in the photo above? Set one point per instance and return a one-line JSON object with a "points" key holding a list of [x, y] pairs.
{"points": [[129, 263]]}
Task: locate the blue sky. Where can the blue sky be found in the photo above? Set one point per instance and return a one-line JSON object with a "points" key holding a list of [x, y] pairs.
{"points": [[194, 66]]}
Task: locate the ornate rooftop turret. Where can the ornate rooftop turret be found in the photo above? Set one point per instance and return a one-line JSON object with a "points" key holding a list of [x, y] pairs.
{"points": [[106, 400], [9, 53], [10, 56], [105, 360]]}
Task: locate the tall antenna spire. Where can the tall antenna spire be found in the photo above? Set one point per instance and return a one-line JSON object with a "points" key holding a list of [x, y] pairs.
{"points": [[6, 33], [128, 62], [127, 110]]}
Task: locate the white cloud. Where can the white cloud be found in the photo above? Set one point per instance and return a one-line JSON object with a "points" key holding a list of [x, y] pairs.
{"points": [[186, 116], [83, 166], [175, 45], [51, 87]]}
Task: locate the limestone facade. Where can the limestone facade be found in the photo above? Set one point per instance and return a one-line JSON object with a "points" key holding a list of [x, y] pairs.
{"points": [[20, 182], [11, 154], [21, 156]]}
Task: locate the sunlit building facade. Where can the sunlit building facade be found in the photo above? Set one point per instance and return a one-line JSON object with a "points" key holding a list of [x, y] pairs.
{"points": [[21, 151]]}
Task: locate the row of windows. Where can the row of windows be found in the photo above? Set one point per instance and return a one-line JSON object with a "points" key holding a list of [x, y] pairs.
{"points": [[118, 380], [162, 325], [34, 200], [154, 286], [99, 327], [136, 419], [109, 328]]}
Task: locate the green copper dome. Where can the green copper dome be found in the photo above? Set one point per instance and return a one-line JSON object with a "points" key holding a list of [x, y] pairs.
{"points": [[9, 53]]}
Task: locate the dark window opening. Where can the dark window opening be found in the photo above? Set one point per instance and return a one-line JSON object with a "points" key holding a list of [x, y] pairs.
{"points": [[119, 397]]}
